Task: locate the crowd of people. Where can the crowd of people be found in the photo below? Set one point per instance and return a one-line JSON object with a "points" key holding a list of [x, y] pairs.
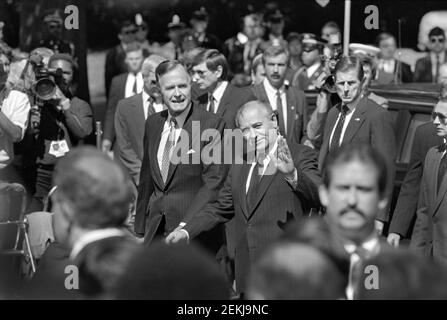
{"points": [[213, 180]]}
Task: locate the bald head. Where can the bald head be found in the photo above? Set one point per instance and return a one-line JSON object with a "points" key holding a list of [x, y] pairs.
{"points": [[96, 189], [251, 107], [294, 271]]}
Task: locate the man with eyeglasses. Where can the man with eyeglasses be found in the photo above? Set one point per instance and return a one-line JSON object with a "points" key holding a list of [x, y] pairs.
{"points": [[427, 68], [430, 233], [115, 58]]}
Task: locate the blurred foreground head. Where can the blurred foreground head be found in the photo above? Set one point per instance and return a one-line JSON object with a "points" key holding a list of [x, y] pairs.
{"points": [[178, 272]]}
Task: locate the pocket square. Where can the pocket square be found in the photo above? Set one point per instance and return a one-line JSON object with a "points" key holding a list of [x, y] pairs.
{"points": [[191, 151]]}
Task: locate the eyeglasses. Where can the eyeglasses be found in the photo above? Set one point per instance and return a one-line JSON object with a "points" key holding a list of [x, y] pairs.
{"points": [[440, 39], [442, 118], [132, 31]]}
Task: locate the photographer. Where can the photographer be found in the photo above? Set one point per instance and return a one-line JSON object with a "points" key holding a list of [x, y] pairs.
{"points": [[59, 123]]}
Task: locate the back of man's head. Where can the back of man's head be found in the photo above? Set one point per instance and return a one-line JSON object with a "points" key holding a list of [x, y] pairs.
{"points": [[178, 272], [151, 63], [294, 271], [94, 187]]}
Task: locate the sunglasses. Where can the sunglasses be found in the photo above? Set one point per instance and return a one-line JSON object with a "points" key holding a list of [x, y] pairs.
{"points": [[442, 118], [437, 39], [127, 32]]}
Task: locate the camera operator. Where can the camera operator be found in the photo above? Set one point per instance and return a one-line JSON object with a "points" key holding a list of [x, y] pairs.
{"points": [[59, 123]]}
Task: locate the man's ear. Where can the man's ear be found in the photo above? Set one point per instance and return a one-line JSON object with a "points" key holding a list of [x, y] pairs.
{"points": [[323, 193], [219, 71]]}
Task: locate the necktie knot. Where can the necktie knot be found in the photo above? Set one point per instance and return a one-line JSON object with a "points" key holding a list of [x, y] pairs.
{"points": [[344, 109], [173, 123]]}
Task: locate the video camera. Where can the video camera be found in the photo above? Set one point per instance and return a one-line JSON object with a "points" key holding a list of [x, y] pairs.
{"points": [[46, 78], [329, 59]]}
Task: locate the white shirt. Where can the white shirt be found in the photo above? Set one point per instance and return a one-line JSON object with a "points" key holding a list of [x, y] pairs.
{"points": [[165, 133], [217, 95], [266, 162], [311, 70], [16, 108], [93, 236], [345, 124], [271, 94], [387, 65], [131, 78], [158, 107], [433, 63]]}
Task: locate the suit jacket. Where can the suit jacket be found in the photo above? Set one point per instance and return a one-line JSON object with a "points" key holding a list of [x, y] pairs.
{"points": [[129, 128], [189, 186], [404, 73], [276, 204], [117, 92], [370, 124], [425, 138], [422, 70], [430, 230], [234, 51], [115, 65], [232, 99], [296, 110]]}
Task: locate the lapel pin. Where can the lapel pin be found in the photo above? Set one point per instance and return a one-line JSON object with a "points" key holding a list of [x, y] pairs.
{"points": [[292, 107], [357, 119]]}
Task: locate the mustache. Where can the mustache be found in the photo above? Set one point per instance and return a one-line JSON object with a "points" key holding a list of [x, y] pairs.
{"points": [[347, 210]]}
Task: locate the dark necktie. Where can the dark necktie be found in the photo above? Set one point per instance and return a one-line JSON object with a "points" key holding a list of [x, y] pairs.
{"points": [[211, 105], [150, 108], [335, 142], [442, 170], [279, 109], [254, 185], [435, 80], [170, 143], [134, 89]]}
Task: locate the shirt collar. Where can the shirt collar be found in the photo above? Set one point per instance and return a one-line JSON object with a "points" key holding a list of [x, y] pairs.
{"points": [[441, 56], [219, 92], [93, 236], [181, 118], [145, 96], [269, 88], [369, 245]]}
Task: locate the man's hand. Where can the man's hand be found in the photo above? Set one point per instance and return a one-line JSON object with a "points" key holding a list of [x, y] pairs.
{"points": [[393, 239], [379, 226], [283, 159], [176, 236]]}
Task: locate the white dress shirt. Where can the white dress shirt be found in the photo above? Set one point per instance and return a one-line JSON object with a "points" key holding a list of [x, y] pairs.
{"points": [[433, 63], [16, 108], [131, 78], [345, 124], [217, 95], [271, 94], [387, 65], [165, 133]]}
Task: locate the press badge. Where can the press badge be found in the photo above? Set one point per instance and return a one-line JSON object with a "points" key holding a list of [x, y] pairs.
{"points": [[58, 148]]}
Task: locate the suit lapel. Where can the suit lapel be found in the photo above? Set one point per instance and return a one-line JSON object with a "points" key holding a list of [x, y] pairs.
{"points": [[443, 188], [264, 184], [187, 126], [153, 152], [356, 121], [291, 112], [242, 182], [330, 122], [222, 107]]}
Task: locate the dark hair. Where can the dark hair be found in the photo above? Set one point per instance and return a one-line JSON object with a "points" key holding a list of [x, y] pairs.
{"points": [[61, 56], [167, 66], [213, 59], [364, 153], [125, 24], [347, 63], [274, 51], [368, 61], [102, 263], [295, 271], [436, 31], [384, 36], [132, 47], [98, 189]]}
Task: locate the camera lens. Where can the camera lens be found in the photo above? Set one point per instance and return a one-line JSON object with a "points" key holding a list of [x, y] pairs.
{"points": [[45, 88]]}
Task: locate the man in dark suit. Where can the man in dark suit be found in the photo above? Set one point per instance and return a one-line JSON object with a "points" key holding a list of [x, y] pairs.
{"points": [[263, 194], [115, 57], [354, 191], [210, 73], [130, 119], [404, 214], [358, 119], [123, 86], [243, 48], [199, 23], [287, 101], [427, 68], [389, 69], [431, 225], [173, 189]]}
